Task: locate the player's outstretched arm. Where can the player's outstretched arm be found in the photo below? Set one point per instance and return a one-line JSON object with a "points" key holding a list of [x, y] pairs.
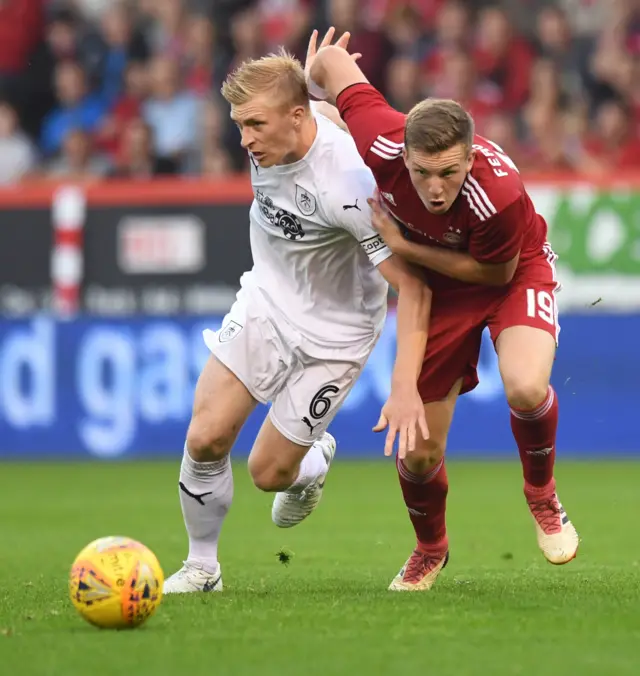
{"points": [[403, 414], [455, 264]]}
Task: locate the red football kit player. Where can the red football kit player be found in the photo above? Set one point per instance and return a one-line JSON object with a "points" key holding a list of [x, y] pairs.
{"points": [[461, 211]]}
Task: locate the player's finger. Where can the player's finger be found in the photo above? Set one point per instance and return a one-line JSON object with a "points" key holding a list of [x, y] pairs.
{"points": [[391, 437], [381, 424], [402, 443], [312, 47], [328, 37], [411, 437], [343, 40], [424, 428], [357, 56]]}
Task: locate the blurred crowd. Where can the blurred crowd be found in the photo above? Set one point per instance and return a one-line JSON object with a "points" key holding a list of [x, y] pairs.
{"points": [[108, 88]]}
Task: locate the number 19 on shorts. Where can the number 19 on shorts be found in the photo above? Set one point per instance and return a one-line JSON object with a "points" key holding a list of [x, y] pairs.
{"points": [[541, 304]]}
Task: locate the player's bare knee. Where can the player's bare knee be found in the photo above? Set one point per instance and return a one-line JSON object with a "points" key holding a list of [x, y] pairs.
{"points": [[271, 477], [207, 442], [526, 394], [423, 459]]}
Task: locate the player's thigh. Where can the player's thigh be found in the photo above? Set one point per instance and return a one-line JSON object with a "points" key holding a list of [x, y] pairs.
{"points": [[221, 406], [439, 415], [525, 332], [453, 348], [301, 413], [249, 364]]}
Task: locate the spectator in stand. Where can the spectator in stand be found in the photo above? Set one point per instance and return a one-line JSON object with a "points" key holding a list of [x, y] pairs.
{"points": [[612, 146], [127, 108], [17, 154], [544, 118], [503, 57], [171, 112], [137, 160], [555, 44], [405, 31], [107, 51], [459, 81], [37, 90], [628, 88], [452, 37], [214, 159], [502, 129], [77, 109], [376, 50], [403, 83], [199, 55], [21, 23], [77, 161], [286, 23], [166, 31]]}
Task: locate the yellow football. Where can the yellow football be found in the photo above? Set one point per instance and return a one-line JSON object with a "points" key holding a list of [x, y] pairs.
{"points": [[116, 583]]}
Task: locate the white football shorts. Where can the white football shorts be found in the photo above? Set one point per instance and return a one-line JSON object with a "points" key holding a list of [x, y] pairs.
{"points": [[268, 357]]}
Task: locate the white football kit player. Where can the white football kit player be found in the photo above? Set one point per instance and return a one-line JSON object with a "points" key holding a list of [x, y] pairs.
{"points": [[309, 312]]}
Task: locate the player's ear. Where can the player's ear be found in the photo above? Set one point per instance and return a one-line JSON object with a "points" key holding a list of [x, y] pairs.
{"points": [[470, 159], [299, 113], [405, 156]]}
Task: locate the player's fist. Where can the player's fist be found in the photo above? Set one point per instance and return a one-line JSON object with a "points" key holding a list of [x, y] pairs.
{"points": [[385, 225]]}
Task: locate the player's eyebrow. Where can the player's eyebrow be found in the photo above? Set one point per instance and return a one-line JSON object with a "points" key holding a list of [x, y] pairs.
{"points": [[249, 121], [451, 167]]}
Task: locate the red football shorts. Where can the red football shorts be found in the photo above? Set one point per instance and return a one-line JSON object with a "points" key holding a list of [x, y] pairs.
{"points": [[459, 317]]}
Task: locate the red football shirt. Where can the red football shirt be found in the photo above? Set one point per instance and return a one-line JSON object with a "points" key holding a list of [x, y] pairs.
{"points": [[492, 218]]}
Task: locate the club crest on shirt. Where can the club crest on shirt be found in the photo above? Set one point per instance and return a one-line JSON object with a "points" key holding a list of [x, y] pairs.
{"points": [[305, 201], [230, 331], [452, 236]]}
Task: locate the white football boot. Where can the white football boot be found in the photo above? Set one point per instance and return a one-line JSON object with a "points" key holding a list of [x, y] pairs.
{"points": [[193, 578], [289, 509], [557, 537]]}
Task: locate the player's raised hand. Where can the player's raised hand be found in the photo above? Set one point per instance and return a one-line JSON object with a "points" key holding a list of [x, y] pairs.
{"points": [[385, 225], [312, 48], [403, 417]]}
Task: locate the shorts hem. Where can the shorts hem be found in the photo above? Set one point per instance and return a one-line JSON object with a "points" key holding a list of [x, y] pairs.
{"points": [[292, 437]]}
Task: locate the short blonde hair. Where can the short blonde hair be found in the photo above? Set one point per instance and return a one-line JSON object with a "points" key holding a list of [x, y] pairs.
{"points": [[435, 125], [280, 73]]}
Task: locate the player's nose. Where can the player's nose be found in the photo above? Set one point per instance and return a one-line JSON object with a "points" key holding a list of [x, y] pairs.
{"points": [[435, 189], [246, 139]]}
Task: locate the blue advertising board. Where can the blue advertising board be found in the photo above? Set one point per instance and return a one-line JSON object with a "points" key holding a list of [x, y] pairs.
{"points": [[111, 388]]}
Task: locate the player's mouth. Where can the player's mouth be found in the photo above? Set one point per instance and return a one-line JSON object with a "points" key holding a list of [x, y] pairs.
{"points": [[257, 156], [437, 204]]}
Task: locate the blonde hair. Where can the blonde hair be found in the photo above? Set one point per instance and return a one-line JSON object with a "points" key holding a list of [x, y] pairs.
{"points": [[435, 125], [280, 73]]}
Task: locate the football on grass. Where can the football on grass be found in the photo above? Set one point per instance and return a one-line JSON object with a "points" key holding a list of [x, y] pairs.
{"points": [[116, 583]]}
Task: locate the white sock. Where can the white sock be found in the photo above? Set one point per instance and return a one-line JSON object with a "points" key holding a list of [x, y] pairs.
{"points": [[312, 466], [206, 491]]}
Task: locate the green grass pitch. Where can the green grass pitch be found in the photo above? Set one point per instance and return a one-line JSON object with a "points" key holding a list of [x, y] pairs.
{"points": [[498, 608]]}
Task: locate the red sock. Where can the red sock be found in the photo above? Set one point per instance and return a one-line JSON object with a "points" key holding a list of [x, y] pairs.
{"points": [[426, 499], [535, 434]]}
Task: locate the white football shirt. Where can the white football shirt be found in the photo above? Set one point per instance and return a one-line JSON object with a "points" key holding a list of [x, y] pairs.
{"points": [[314, 248]]}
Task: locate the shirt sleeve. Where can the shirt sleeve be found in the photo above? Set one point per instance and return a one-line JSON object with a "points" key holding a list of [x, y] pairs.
{"points": [[499, 238], [348, 210], [376, 127]]}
